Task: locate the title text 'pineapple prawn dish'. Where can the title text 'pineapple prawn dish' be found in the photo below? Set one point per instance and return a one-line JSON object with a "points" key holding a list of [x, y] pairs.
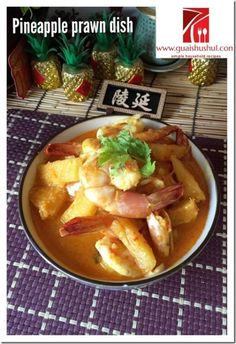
{"points": [[123, 202]]}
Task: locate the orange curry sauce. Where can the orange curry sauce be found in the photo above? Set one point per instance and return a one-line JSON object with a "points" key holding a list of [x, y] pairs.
{"points": [[77, 253]]}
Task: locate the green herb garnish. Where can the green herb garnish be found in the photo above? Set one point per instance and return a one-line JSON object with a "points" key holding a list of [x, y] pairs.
{"points": [[118, 150]]}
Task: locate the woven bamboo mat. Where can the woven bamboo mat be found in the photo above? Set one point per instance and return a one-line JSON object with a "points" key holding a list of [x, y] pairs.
{"points": [[201, 111]]}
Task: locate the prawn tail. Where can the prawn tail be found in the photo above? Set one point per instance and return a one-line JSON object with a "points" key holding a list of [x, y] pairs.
{"points": [[160, 229], [165, 196], [85, 224], [181, 138], [62, 149]]}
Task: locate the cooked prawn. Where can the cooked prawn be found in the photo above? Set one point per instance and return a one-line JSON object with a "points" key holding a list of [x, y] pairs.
{"points": [[99, 190], [91, 145], [115, 256], [149, 184], [86, 224], [134, 241], [63, 149], [132, 123], [160, 229], [88, 146], [123, 248], [154, 135]]}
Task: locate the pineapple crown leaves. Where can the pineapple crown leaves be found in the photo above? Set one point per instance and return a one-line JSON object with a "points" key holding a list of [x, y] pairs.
{"points": [[39, 46], [73, 51], [105, 39], [128, 48]]}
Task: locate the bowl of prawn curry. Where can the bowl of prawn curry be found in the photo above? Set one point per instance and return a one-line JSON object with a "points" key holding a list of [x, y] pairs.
{"points": [[119, 201]]}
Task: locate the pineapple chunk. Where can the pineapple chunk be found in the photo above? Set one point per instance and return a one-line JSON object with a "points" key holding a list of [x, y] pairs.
{"points": [[48, 199], [81, 206], [59, 172], [191, 186], [183, 211]]}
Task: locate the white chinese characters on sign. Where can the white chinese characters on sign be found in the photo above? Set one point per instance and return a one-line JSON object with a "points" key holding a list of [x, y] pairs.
{"points": [[119, 98], [142, 101]]}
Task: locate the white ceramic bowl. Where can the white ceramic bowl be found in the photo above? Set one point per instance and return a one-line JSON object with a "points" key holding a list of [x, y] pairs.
{"points": [[77, 129]]}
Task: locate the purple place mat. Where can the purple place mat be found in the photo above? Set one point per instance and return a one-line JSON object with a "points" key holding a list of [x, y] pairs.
{"points": [[42, 301]]}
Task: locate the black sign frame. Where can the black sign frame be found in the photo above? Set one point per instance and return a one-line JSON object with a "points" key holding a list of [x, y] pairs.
{"points": [[157, 98]]}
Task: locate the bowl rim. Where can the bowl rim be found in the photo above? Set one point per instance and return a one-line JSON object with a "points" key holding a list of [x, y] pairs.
{"points": [[116, 285]]}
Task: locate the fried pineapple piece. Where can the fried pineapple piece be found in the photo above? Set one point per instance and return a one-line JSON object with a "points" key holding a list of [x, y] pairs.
{"points": [[183, 211], [81, 206], [48, 200], [163, 152], [191, 186], [59, 172]]}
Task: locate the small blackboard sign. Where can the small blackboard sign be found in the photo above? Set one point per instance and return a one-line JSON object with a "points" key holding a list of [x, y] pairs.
{"points": [[127, 98]]}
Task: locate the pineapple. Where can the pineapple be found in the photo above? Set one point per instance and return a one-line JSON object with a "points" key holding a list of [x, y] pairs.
{"points": [[128, 66], [45, 66], [77, 76], [104, 52], [203, 71], [81, 206], [59, 172], [48, 199]]}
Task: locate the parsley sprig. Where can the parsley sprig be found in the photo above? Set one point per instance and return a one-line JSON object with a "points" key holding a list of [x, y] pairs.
{"points": [[118, 150]]}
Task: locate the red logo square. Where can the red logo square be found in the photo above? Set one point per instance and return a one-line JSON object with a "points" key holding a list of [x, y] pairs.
{"points": [[196, 25]]}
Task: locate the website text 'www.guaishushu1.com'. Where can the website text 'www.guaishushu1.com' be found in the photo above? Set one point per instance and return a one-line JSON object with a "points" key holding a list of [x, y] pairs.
{"points": [[184, 51]]}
